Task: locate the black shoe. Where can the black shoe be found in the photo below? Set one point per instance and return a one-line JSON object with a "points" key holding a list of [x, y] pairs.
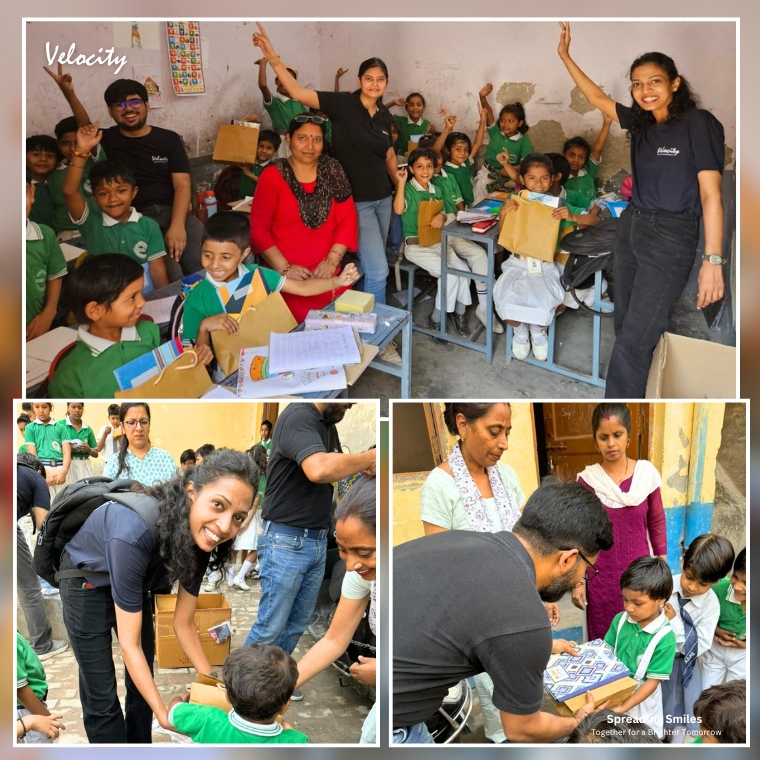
{"points": [[433, 325], [460, 324], [296, 696]]}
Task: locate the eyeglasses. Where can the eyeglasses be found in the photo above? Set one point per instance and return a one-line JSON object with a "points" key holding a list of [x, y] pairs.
{"points": [[133, 423], [591, 571], [134, 103], [304, 117]]}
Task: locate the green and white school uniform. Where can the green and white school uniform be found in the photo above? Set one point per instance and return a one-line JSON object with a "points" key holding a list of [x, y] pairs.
{"points": [[282, 110], [518, 146], [61, 219], [648, 653], [719, 661], [42, 210], [450, 190], [44, 262], [407, 127], [247, 186], [88, 371], [463, 176], [47, 437], [267, 445], [31, 673], [80, 460], [210, 725], [584, 183]]}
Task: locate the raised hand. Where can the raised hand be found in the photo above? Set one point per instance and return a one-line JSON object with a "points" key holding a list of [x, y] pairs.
{"points": [[564, 40], [401, 175], [450, 121], [400, 102], [261, 40], [340, 72], [503, 157], [348, 276], [486, 90], [88, 137], [64, 81]]}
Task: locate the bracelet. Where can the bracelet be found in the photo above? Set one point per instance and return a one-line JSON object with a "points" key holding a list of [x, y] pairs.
{"points": [[80, 155], [286, 270], [23, 725]]}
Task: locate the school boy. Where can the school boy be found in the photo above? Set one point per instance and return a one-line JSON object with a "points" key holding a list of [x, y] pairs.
{"points": [[281, 108], [693, 610]]}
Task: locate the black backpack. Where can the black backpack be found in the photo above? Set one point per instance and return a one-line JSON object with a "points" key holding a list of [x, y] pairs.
{"points": [[68, 512]]}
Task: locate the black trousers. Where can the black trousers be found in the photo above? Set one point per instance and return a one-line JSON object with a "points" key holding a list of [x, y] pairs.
{"points": [[652, 260], [89, 616]]}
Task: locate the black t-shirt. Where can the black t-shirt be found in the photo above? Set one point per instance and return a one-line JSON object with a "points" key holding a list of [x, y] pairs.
{"points": [[31, 491], [153, 158], [466, 603], [116, 540], [667, 156], [290, 497], [360, 142]]}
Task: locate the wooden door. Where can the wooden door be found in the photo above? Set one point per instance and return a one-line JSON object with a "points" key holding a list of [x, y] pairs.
{"points": [[437, 431], [570, 447]]}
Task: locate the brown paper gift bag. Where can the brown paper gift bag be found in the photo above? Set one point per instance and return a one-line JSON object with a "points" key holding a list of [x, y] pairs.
{"points": [[236, 144], [530, 230], [256, 324], [185, 377], [425, 213]]}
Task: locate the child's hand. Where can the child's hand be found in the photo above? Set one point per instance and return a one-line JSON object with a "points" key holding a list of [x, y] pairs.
{"points": [[401, 175], [579, 596], [430, 130], [62, 80], [503, 157], [340, 72], [260, 61], [221, 322], [509, 205], [348, 276], [563, 212], [205, 354], [483, 113], [564, 40], [450, 121], [251, 117], [39, 325], [400, 102], [285, 724], [364, 670], [553, 610], [88, 137], [261, 40], [486, 90], [438, 221], [49, 725], [248, 173], [180, 698], [670, 613]]}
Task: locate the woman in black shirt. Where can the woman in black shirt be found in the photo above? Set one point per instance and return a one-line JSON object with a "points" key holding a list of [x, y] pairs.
{"points": [[677, 162]]}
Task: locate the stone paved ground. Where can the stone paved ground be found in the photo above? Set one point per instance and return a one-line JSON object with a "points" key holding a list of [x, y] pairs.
{"points": [[328, 713]]}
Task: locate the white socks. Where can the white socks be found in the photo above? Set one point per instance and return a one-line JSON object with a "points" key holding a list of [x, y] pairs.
{"points": [[243, 570]]}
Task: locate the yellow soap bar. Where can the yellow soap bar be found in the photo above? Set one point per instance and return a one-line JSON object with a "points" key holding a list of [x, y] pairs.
{"points": [[353, 300]]}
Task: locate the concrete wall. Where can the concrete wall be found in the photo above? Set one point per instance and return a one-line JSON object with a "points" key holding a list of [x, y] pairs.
{"points": [[448, 62]]}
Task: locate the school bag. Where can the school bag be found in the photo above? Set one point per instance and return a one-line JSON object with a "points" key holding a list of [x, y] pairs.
{"points": [[68, 512], [590, 251]]}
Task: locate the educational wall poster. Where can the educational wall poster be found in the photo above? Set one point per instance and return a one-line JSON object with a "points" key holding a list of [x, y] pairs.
{"points": [[185, 57], [139, 35], [152, 78]]}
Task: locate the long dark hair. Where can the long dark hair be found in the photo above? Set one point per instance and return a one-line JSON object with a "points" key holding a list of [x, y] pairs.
{"points": [[683, 98], [260, 458], [124, 443], [179, 551]]}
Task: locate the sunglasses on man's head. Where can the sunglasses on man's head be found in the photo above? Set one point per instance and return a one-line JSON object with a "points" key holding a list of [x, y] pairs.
{"points": [[304, 117]]}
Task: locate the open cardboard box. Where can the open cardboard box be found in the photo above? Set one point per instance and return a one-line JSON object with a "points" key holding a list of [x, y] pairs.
{"points": [[691, 368], [615, 691]]}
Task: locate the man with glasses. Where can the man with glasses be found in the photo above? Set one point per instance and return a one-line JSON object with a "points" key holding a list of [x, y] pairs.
{"points": [[160, 163], [466, 602]]}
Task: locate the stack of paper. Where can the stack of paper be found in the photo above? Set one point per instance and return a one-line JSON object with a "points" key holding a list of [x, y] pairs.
{"points": [[487, 209], [41, 351]]}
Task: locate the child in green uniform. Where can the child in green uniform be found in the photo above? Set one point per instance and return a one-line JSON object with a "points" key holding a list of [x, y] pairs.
{"points": [[722, 711], [106, 298], [412, 123], [260, 680], [642, 637], [507, 141], [38, 726], [584, 162], [225, 243], [66, 134], [269, 144], [45, 268], [461, 152], [42, 157], [82, 439], [727, 657], [44, 439], [280, 107], [112, 225]]}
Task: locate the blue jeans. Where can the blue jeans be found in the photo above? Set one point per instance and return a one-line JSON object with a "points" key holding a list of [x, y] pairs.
{"points": [[395, 236], [416, 734], [374, 221], [292, 570]]}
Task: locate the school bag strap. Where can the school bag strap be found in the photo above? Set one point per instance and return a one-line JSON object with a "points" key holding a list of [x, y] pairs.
{"points": [[648, 652]]}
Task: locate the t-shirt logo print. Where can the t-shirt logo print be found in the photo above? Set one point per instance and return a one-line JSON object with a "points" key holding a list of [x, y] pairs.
{"points": [[160, 159], [667, 151], [40, 279], [140, 249]]}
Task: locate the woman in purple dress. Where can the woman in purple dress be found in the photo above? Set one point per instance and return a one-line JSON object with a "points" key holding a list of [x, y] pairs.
{"points": [[630, 491]]}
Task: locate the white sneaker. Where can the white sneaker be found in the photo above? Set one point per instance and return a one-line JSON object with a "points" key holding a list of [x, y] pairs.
{"points": [[240, 583], [520, 349], [390, 354], [540, 341], [483, 319]]}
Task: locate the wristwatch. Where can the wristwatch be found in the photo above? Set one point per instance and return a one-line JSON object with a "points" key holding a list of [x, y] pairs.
{"points": [[713, 258]]}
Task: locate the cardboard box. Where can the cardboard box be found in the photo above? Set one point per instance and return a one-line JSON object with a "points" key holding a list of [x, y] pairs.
{"points": [[616, 692], [691, 368], [212, 610], [212, 696], [236, 144]]}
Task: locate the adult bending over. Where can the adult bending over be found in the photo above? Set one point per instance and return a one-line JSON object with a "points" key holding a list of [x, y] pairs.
{"points": [[466, 602], [677, 161], [355, 532], [303, 219], [361, 140], [200, 512]]}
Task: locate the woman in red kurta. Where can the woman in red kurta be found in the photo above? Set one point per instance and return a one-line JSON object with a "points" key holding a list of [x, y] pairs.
{"points": [[303, 218]]}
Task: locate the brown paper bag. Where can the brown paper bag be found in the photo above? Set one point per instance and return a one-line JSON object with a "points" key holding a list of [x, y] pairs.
{"points": [[211, 696], [271, 315], [236, 144], [425, 213], [530, 230], [185, 377]]}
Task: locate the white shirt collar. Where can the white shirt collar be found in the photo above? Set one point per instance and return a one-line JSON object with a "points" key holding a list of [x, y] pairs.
{"points": [[581, 173], [33, 231], [38, 421], [442, 173], [69, 422], [417, 186], [257, 729], [266, 163], [97, 345], [515, 137], [656, 624], [134, 216], [452, 165], [697, 601], [240, 272], [283, 98], [416, 123], [731, 595]]}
